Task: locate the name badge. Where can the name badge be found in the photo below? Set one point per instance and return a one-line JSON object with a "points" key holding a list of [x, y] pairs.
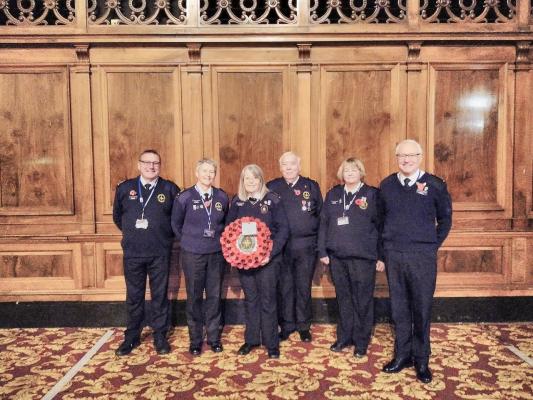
{"points": [[141, 224], [343, 221], [249, 228], [209, 233]]}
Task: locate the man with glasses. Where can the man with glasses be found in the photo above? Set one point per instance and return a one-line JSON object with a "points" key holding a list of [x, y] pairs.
{"points": [[142, 210], [417, 211]]}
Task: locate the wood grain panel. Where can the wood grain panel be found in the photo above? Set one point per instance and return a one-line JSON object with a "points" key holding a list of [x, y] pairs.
{"points": [[250, 123], [358, 120], [488, 260], [113, 264], [32, 266], [466, 133], [35, 161]]}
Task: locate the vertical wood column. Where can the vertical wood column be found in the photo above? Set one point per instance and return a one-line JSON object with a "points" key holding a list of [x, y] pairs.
{"points": [[193, 137], [302, 134], [522, 173], [416, 101], [82, 143]]}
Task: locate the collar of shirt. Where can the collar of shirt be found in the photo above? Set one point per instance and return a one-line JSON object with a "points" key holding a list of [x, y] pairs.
{"points": [[152, 184], [293, 184], [412, 178], [355, 190], [256, 196], [209, 191]]}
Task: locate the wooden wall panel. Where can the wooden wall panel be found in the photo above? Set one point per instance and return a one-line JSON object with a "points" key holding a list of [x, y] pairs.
{"points": [[139, 110], [35, 161], [466, 133], [251, 111], [361, 117], [31, 266], [478, 260]]}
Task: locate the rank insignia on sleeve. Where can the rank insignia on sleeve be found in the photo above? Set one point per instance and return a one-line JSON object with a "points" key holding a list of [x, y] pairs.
{"points": [[218, 206], [161, 198]]}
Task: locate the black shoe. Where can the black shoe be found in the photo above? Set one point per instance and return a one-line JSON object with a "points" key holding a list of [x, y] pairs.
{"points": [[423, 373], [305, 336], [195, 350], [273, 353], [246, 348], [284, 335], [359, 353], [127, 346], [397, 364], [338, 347], [216, 347], [161, 346]]}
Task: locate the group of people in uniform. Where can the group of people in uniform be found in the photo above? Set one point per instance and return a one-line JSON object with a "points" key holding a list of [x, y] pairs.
{"points": [[355, 231]]}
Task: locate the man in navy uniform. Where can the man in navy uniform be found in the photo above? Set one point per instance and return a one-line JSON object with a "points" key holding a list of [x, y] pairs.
{"points": [[198, 220], [142, 210], [302, 201], [417, 211]]}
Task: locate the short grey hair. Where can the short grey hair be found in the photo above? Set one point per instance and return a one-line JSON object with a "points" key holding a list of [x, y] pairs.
{"points": [[409, 141], [207, 161], [287, 154]]}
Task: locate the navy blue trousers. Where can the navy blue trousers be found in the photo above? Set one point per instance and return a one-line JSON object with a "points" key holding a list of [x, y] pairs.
{"points": [[203, 272], [296, 277], [412, 277], [136, 270], [354, 280], [260, 304]]}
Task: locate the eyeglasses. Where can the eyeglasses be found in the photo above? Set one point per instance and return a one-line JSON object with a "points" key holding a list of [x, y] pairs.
{"points": [[152, 163], [410, 156]]}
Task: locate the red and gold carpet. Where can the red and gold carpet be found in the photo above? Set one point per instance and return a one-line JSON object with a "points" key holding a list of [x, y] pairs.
{"points": [[470, 361]]}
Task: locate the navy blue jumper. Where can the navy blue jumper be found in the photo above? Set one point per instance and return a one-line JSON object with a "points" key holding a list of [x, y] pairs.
{"points": [[417, 219], [146, 251], [201, 259], [302, 202], [352, 249], [259, 285]]}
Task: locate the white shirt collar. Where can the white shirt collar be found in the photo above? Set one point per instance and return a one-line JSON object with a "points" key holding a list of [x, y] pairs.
{"points": [[293, 183], [209, 191], [412, 178], [152, 184], [355, 190]]}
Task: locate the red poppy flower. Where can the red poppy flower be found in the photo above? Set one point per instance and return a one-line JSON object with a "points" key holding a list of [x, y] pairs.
{"points": [[246, 251]]}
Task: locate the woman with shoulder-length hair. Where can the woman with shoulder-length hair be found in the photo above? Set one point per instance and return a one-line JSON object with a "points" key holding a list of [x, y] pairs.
{"points": [[348, 242], [259, 284], [198, 219]]}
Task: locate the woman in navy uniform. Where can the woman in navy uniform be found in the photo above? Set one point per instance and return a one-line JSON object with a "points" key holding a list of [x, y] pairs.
{"points": [[259, 285], [348, 242], [198, 219]]}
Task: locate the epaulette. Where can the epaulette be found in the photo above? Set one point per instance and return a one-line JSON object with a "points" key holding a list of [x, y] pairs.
{"points": [[435, 181]]}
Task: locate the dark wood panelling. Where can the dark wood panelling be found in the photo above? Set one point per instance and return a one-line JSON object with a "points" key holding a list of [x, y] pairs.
{"points": [[250, 123], [466, 133], [36, 266], [466, 260], [35, 161], [141, 115], [113, 264]]}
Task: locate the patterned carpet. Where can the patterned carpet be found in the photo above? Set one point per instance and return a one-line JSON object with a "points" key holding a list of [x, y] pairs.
{"points": [[469, 361]]}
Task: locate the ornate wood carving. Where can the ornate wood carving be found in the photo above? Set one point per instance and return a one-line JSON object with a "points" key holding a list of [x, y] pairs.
{"points": [[137, 12], [248, 12], [361, 11], [474, 11], [37, 12]]}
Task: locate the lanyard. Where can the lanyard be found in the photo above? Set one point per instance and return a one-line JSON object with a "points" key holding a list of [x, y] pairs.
{"points": [[344, 207], [143, 204], [208, 212]]}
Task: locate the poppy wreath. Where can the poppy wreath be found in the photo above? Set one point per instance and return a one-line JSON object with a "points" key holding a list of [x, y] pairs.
{"points": [[234, 244]]}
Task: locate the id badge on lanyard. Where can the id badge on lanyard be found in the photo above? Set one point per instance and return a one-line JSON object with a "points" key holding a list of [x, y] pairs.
{"points": [[142, 223]]}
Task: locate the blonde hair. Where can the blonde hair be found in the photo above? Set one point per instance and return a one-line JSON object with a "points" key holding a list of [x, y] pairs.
{"points": [[208, 161], [257, 172], [353, 162]]}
